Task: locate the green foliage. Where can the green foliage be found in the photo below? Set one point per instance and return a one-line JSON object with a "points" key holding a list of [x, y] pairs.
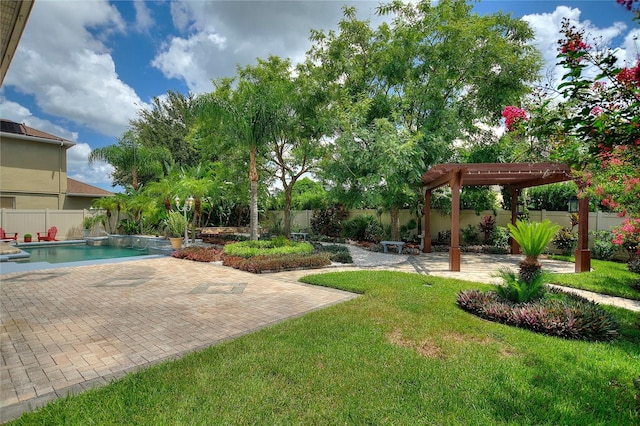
{"points": [[478, 199], [278, 246], [565, 240], [130, 227], [363, 228], [517, 290], [570, 316], [470, 235], [533, 237], [328, 221], [175, 224], [603, 247], [500, 237], [338, 253], [553, 197]]}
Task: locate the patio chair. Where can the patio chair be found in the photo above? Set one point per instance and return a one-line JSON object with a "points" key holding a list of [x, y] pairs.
{"points": [[50, 235], [7, 236]]}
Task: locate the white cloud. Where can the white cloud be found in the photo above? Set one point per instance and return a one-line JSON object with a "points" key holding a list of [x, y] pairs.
{"points": [[69, 70], [20, 114], [144, 20], [547, 27], [217, 36], [78, 167]]}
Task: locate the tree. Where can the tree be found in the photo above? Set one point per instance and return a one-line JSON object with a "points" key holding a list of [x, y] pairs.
{"points": [[134, 164], [243, 112], [433, 74], [167, 125]]}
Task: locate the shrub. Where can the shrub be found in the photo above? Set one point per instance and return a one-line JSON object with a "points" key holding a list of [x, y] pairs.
{"points": [[279, 246], [603, 247], [499, 237], [565, 240], [199, 254], [337, 253], [375, 232], [444, 238], [328, 221], [470, 235], [355, 228], [516, 290], [634, 265], [568, 316], [276, 263], [487, 227]]}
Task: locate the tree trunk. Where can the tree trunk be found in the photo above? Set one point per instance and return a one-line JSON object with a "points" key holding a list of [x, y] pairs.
{"points": [[134, 178], [395, 223], [287, 210], [253, 177]]}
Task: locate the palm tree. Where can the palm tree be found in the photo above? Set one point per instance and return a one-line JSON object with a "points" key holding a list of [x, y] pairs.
{"points": [[533, 238], [242, 115], [132, 161]]}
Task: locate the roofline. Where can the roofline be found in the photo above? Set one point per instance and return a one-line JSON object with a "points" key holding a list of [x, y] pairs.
{"points": [[61, 142], [72, 194]]}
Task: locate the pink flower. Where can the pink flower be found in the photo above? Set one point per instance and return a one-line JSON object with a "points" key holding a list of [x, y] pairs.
{"points": [[512, 115], [596, 110]]}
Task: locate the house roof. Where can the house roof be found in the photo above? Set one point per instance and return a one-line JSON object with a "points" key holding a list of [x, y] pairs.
{"points": [[22, 131], [517, 175], [13, 18], [78, 189]]}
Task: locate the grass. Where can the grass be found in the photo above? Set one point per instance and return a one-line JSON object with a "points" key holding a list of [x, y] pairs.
{"points": [[612, 278], [401, 353]]}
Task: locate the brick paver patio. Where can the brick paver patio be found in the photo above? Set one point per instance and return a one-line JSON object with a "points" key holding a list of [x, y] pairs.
{"points": [[69, 329]]}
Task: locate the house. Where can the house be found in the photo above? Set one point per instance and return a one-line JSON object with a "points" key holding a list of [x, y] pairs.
{"points": [[33, 171]]}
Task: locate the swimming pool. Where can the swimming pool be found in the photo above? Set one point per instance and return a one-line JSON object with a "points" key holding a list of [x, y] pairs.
{"points": [[78, 253]]}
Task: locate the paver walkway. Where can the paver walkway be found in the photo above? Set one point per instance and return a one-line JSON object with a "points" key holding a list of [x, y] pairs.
{"points": [[69, 329]]}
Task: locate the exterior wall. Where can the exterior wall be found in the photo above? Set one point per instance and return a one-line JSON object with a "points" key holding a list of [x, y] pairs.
{"points": [[77, 203], [34, 173]]}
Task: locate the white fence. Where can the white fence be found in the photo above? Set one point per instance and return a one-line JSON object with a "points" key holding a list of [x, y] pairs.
{"points": [[598, 221], [69, 222]]}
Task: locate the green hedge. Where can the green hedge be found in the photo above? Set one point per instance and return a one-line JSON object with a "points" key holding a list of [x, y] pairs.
{"points": [[248, 249]]}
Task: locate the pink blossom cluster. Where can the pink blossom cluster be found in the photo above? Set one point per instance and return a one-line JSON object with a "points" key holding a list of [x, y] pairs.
{"points": [[574, 46], [512, 115], [629, 76], [628, 235], [596, 110]]}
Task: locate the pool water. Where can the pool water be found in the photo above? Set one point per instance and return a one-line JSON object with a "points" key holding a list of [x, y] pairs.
{"points": [[76, 253]]}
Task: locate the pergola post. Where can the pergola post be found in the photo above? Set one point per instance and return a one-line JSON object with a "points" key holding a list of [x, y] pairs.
{"points": [[515, 193], [582, 254], [426, 240], [454, 250]]}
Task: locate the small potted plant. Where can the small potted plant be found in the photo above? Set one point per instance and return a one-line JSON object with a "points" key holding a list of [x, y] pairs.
{"points": [[87, 224], [174, 226], [27, 238]]}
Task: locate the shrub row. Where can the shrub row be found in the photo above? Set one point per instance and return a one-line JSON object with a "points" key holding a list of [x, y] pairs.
{"points": [[569, 316], [199, 254], [474, 249], [249, 249], [340, 254], [276, 263]]}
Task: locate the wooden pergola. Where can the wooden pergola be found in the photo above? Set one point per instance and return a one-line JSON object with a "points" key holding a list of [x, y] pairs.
{"points": [[515, 176]]}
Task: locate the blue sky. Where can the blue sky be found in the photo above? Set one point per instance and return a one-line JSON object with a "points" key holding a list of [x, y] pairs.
{"points": [[84, 68]]}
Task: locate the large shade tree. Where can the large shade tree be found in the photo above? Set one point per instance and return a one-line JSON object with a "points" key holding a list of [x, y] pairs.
{"points": [[434, 74]]}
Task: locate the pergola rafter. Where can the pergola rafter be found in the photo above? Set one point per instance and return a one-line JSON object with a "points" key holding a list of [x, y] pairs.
{"points": [[515, 176]]}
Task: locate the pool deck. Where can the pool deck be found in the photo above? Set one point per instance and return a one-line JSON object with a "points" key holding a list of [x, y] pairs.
{"points": [[72, 328]]}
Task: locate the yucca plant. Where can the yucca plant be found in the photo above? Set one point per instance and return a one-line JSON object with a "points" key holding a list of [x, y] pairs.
{"points": [[533, 238]]}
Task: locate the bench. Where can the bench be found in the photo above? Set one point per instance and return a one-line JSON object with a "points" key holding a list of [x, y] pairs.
{"points": [[386, 244], [297, 235]]}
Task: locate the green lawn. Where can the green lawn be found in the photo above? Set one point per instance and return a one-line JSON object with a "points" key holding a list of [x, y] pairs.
{"points": [[611, 278], [402, 353]]}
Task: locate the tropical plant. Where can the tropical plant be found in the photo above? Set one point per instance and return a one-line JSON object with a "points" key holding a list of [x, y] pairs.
{"points": [[133, 163], [565, 240], [175, 224], [603, 247], [533, 238], [517, 290]]}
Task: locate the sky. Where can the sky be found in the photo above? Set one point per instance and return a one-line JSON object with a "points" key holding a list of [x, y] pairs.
{"points": [[85, 68]]}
